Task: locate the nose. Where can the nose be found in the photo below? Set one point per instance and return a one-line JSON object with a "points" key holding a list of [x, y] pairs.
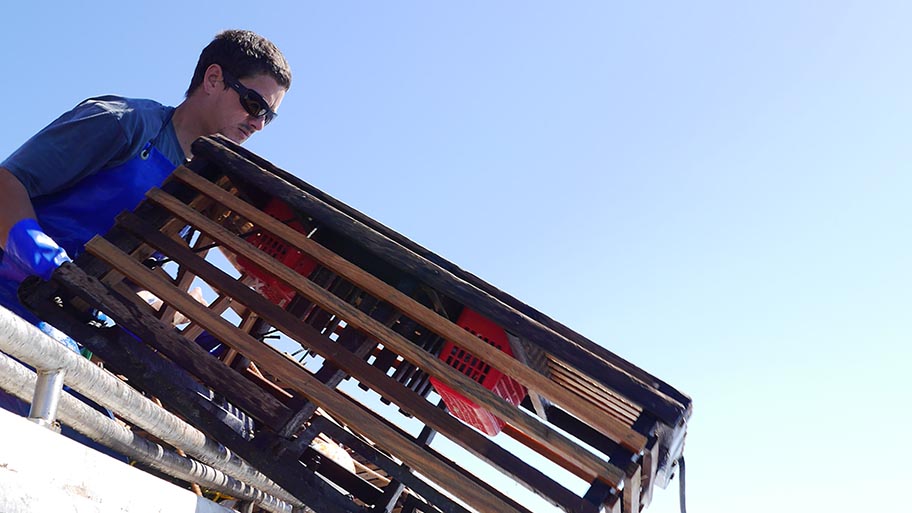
{"points": [[256, 123]]}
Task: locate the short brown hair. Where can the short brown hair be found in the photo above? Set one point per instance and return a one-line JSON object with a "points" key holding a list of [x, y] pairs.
{"points": [[242, 53]]}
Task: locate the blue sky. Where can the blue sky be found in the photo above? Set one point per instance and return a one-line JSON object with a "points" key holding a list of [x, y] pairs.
{"points": [[716, 191]]}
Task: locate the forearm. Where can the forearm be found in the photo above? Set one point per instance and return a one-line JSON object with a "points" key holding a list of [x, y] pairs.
{"points": [[15, 204]]}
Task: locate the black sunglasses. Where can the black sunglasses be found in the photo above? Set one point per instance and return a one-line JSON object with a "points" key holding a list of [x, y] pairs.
{"points": [[252, 101]]}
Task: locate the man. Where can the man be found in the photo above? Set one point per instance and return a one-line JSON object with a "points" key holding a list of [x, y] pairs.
{"points": [[68, 182]]}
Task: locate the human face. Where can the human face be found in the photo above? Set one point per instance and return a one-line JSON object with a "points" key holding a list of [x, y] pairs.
{"points": [[252, 101], [235, 122]]}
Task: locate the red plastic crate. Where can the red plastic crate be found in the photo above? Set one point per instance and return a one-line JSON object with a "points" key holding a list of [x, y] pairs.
{"points": [[470, 365], [266, 284]]}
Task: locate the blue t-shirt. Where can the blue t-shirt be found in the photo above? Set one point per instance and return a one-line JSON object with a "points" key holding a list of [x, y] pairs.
{"points": [[97, 134]]}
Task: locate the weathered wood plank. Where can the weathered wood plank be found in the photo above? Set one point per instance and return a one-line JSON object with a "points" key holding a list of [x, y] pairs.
{"points": [[218, 306], [650, 469], [546, 451], [184, 279], [360, 489], [610, 396], [533, 357], [597, 399], [632, 491]]}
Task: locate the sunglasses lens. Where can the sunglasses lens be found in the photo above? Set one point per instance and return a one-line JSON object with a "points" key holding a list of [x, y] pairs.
{"points": [[254, 106]]}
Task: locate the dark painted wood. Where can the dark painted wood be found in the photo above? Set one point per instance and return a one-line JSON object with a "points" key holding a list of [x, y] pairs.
{"points": [[598, 494], [413, 504], [396, 471], [354, 485], [391, 494], [572, 425]]}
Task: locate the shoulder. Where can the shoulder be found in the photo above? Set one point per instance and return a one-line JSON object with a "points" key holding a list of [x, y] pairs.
{"points": [[139, 122], [139, 118], [98, 133]]}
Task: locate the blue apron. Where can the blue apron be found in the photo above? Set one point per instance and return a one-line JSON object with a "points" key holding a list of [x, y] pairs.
{"points": [[75, 215]]}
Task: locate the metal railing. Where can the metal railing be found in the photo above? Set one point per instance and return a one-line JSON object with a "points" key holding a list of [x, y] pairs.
{"points": [[217, 468]]}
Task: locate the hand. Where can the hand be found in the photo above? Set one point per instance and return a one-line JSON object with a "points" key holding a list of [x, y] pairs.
{"points": [[33, 249]]}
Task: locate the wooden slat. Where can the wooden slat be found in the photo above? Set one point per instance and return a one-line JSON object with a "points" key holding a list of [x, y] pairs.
{"points": [[247, 323], [534, 358], [371, 475], [594, 400], [596, 497], [170, 227], [221, 303], [613, 505], [596, 396], [409, 306], [558, 367], [184, 280], [431, 364], [423, 439], [546, 451], [632, 491], [123, 289], [650, 468], [398, 472], [306, 384]]}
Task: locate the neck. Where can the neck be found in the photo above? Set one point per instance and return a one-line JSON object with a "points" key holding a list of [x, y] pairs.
{"points": [[187, 126]]}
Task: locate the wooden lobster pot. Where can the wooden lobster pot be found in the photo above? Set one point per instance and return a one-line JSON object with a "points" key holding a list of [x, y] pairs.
{"points": [[370, 308]]}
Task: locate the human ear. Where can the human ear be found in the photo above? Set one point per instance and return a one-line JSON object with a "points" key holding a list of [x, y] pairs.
{"points": [[212, 79]]}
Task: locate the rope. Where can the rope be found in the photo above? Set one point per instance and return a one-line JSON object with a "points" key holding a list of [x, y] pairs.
{"points": [[681, 485]]}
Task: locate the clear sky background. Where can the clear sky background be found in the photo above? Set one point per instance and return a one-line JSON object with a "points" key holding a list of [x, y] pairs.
{"points": [[716, 191]]}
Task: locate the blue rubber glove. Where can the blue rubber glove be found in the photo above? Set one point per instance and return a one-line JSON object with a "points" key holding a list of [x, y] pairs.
{"points": [[33, 249]]}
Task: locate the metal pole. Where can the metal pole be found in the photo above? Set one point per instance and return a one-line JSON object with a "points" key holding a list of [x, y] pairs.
{"points": [[48, 388]]}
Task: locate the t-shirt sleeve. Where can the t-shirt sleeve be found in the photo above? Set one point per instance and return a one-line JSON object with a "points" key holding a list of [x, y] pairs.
{"points": [[75, 145]]}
